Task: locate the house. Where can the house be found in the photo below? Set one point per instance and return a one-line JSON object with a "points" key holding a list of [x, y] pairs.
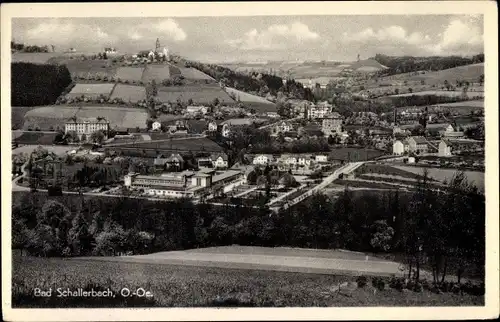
{"points": [[283, 127], [220, 161], [212, 126], [205, 162], [449, 147], [226, 130], [305, 161], [318, 111], [321, 158], [156, 126], [272, 115], [197, 109], [439, 129], [331, 123], [84, 127], [263, 159], [175, 161], [417, 144], [289, 160], [400, 147]]}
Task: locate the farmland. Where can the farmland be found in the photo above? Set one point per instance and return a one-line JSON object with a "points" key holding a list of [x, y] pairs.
{"points": [[177, 144], [57, 149], [181, 286], [157, 73], [36, 138], [258, 103], [194, 74], [86, 68], [130, 73], [91, 90], [36, 58], [52, 116], [470, 94], [17, 115], [354, 154], [129, 93], [200, 94]]}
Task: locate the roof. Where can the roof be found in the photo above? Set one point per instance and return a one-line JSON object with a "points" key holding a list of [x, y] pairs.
{"points": [[440, 126], [419, 139], [175, 157], [455, 142], [333, 115], [225, 175], [215, 156], [87, 120]]}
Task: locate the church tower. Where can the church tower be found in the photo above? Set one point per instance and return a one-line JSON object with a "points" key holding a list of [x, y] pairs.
{"points": [[157, 48]]}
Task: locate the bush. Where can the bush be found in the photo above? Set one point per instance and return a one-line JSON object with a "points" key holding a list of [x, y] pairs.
{"points": [[378, 283], [362, 281], [397, 283]]}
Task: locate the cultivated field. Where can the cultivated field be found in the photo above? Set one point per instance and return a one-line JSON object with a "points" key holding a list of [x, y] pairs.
{"points": [[470, 94], [158, 73], [129, 93], [475, 177], [259, 104], [53, 116], [184, 144], [36, 58], [194, 74], [35, 138], [17, 115], [354, 154], [130, 73], [86, 68], [57, 149], [181, 286], [199, 94], [91, 90]]}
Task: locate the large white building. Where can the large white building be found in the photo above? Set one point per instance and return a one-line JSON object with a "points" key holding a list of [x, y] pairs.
{"points": [[86, 126], [319, 110]]}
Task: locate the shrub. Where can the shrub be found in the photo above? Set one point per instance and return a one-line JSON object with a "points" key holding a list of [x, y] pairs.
{"points": [[362, 281], [378, 283], [397, 283]]}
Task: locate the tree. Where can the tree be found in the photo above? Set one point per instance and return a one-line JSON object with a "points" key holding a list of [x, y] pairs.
{"points": [[481, 79], [382, 236], [97, 137], [289, 181], [261, 180]]}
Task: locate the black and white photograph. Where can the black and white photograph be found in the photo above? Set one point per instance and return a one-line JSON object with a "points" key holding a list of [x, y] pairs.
{"points": [[248, 158]]}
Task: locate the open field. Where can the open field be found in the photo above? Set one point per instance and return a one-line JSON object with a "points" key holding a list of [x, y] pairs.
{"points": [[85, 68], [36, 138], [470, 94], [259, 104], [53, 116], [479, 104], [36, 58], [354, 154], [157, 73], [194, 74], [57, 149], [189, 286], [129, 93], [17, 115], [130, 73], [91, 90], [199, 94], [181, 144], [475, 177]]}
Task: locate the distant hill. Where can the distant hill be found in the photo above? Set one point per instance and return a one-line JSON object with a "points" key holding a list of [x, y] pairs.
{"points": [[367, 65]]}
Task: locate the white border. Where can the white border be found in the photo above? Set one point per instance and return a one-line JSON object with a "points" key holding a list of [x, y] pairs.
{"points": [[491, 308]]}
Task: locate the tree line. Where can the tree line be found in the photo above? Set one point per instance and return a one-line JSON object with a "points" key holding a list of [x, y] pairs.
{"points": [[407, 64], [30, 48], [37, 84], [441, 231]]}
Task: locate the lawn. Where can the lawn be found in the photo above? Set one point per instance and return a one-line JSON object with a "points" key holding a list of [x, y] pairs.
{"points": [[57, 149], [129, 93], [91, 90], [85, 68], [259, 104], [57, 115], [383, 169], [200, 94], [130, 73], [180, 286]]}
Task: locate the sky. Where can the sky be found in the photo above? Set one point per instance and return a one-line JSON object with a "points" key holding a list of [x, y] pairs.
{"points": [[263, 38]]}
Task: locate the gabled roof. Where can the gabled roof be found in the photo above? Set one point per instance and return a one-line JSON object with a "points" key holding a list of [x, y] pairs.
{"points": [[175, 157], [419, 139], [215, 156]]}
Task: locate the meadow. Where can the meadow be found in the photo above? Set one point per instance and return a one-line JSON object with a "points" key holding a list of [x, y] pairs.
{"points": [[130, 73], [199, 94], [354, 154], [180, 286], [17, 114], [194, 74], [91, 90], [36, 138], [54, 116], [129, 93], [86, 68], [36, 58], [187, 144], [470, 94], [157, 73]]}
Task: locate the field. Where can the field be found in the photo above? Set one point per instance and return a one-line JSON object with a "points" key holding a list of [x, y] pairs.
{"points": [[181, 286], [260, 104], [479, 104], [92, 90], [130, 73], [354, 154], [129, 93], [194, 74], [184, 144], [470, 94], [36, 138], [36, 58], [475, 177], [57, 149], [53, 116], [199, 94], [17, 114], [157, 73]]}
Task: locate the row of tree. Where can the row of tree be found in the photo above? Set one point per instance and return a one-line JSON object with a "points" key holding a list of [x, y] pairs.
{"points": [[30, 48]]}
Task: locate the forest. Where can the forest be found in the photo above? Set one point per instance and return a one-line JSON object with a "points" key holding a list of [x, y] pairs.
{"points": [[407, 64], [37, 84]]}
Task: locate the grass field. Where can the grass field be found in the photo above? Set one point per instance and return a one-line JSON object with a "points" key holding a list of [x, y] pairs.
{"points": [[475, 177], [45, 117], [91, 90], [36, 138], [194, 144], [441, 93], [194, 74], [129, 92], [36, 58], [57, 149], [86, 68], [17, 114], [199, 94], [130, 73], [157, 73], [180, 286], [260, 104]]}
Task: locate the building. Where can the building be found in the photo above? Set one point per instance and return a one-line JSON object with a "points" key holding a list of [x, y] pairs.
{"points": [[185, 184], [439, 129], [400, 147], [331, 124], [156, 126], [417, 144], [226, 130], [321, 158], [219, 161], [110, 51], [318, 111], [212, 126], [175, 161], [263, 159], [84, 127], [197, 110], [449, 147], [283, 127]]}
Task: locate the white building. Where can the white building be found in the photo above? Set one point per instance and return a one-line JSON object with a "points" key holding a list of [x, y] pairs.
{"points": [[212, 126], [220, 161], [321, 158], [319, 110], [226, 130], [156, 126], [196, 109], [262, 159], [400, 147], [86, 126]]}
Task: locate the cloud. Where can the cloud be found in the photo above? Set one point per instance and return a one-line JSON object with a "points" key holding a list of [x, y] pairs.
{"points": [[459, 35], [169, 28], [274, 37], [59, 32], [392, 34]]}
